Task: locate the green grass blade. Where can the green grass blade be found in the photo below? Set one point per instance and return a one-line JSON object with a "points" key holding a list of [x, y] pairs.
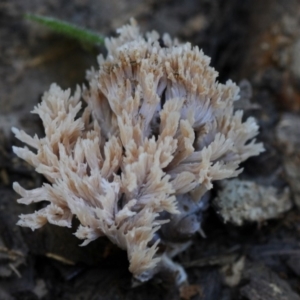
{"points": [[68, 29]]}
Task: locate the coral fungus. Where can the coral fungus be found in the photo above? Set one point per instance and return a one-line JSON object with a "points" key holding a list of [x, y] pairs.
{"points": [[136, 163]]}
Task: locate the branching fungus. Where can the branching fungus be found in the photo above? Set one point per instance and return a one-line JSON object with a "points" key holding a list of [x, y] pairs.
{"points": [[136, 164]]}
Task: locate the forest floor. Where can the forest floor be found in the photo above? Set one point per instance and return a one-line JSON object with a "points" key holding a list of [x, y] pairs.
{"points": [[256, 45]]}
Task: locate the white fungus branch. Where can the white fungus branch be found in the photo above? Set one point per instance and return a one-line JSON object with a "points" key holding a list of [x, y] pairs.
{"points": [[158, 130]]}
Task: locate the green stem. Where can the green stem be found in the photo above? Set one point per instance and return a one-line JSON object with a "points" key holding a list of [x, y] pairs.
{"points": [[68, 29]]}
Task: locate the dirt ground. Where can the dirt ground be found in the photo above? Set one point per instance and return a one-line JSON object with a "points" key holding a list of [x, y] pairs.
{"points": [[257, 44]]}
